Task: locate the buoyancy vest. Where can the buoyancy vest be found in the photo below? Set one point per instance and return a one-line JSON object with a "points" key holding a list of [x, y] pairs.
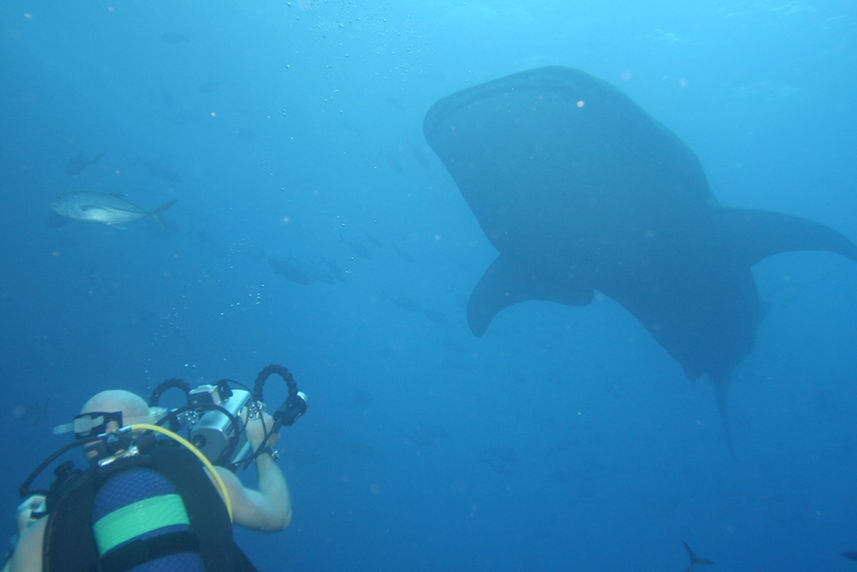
{"points": [[154, 511]]}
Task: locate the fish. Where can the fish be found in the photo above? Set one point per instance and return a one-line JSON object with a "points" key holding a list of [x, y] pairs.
{"points": [[502, 459], [426, 435], [300, 272], [850, 555], [579, 189], [174, 38], [356, 247], [694, 559], [210, 86], [410, 305], [77, 164], [106, 208], [334, 270], [358, 449], [402, 253]]}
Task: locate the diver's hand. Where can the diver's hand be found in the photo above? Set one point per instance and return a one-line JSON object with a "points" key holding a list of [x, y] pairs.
{"points": [[24, 516], [256, 431]]}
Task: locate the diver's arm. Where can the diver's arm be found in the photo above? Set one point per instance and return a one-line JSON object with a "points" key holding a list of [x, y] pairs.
{"points": [[275, 489], [28, 551], [31, 523], [269, 506]]}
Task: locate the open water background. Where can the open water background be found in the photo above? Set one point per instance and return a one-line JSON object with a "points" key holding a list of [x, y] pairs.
{"points": [[566, 438]]}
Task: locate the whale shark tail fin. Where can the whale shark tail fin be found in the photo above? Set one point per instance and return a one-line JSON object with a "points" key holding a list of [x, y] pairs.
{"points": [[694, 559], [721, 391]]}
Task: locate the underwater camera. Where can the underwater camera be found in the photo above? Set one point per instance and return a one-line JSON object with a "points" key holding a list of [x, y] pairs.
{"points": [[213, 417], [218, 430]]}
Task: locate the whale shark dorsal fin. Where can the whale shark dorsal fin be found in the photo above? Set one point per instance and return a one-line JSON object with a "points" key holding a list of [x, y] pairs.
{"points": [[694, 559]]}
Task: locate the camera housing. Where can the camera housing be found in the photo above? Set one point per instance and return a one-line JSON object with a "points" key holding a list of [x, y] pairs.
{"points": [[214, 433]]}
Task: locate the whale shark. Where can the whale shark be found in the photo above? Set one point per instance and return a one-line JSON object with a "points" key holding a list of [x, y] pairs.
{"points": [[579, 189]]}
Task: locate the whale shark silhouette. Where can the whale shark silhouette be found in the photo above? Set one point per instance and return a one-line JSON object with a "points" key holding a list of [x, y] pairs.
{"points": [[579, 190]]}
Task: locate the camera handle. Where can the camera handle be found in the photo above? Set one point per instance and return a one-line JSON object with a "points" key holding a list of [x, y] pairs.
{"points": [[295, 404], [165, 385]]}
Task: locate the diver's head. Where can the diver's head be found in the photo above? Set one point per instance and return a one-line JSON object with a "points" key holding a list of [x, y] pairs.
{"points": [[107, 412], [134, 408]]}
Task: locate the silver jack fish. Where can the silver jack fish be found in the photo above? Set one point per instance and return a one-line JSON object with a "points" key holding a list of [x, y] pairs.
{"points": [[107, 208]]}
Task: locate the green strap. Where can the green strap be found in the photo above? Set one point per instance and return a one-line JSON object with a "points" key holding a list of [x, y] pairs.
{"points": [[135, 519]]}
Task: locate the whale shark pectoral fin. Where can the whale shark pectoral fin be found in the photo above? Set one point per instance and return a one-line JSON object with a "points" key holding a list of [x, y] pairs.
{"points": [[510, 280], [755, 234]]}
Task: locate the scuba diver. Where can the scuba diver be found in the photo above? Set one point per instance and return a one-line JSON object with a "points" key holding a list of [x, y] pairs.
{"points": [[150, 499]]}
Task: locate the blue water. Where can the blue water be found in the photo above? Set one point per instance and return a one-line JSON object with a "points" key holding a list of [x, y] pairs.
{"points": [[566, 438]]}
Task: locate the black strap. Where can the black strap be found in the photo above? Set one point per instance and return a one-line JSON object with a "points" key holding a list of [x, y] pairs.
{"points": [[69, 544], [208, 516], [139, 552]]}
